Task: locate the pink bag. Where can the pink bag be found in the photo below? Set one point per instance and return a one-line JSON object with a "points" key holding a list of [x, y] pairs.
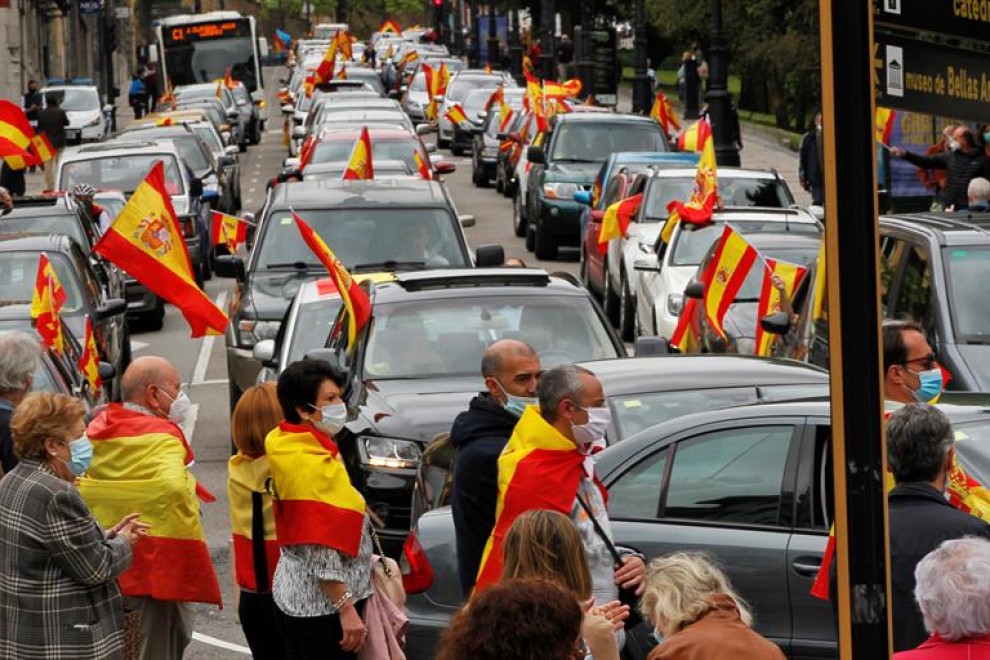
{"points": [[386, 623]]}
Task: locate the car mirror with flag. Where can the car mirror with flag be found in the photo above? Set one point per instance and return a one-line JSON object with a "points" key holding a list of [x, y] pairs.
{"points": [[227, 230], [616, 220], [89, 361], [704, 196], [360, 165], [46, 303], [146, 242], [779, 284], [456, 114], [663, 112], [424, 170]]}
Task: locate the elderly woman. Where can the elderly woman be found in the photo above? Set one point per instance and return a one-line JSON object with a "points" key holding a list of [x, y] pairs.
{"points": [[697, 616], [953, 592], [58, 569], [19, 353]]}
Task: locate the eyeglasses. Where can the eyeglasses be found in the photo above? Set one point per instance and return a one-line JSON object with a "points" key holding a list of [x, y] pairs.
{"points": [[928, 361]]}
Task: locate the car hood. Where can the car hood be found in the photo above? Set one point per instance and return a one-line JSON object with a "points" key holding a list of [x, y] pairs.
{"points": [[416, 408], [269, 294], [79, 118], [573, 172], [976, 357], [421, 98]]}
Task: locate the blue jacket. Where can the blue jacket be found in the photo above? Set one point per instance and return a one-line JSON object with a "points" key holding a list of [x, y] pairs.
{"points": [[137, 87]]}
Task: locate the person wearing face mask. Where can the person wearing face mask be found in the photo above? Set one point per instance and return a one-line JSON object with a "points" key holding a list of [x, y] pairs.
{"points": [[58, 569], [964, 161], [510, 368], [323, 577], [140, 460], [548, 464]]}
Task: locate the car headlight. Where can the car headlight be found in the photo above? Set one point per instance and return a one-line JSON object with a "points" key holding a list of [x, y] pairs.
{"points": [[559, 190], [95, 121], [390, 452], [251, 331], [675, 304]]}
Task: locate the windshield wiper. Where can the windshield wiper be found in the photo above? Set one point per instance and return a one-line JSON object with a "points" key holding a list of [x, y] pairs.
{"points": [[388, 265], [298, 265]]}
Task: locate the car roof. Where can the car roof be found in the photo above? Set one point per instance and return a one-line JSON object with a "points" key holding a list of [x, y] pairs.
{"points": [[53, 88], [381, 167], [320, 289], [647, 157], [329, 193], [731, 213], [378, 132], [474, 282], [35, 243], [604, 117], [122, 147], [727, 172], [959, 228], [770, 240]]}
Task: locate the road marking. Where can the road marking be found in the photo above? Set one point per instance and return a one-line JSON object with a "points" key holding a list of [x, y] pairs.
{"points": [[138, 345], [213, 641], [251, 191], [206, 348], [212, 381]]}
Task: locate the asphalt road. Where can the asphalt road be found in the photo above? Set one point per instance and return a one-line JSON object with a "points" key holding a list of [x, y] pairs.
{"points": [[201, 364]]}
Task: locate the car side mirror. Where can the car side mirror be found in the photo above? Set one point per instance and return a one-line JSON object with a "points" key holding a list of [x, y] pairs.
{"points": [[231, 150], [695, 290], [431, 148], [583, 197], [229, 265], [112, 307], [489, 256], [643, 262], [536, 155], [106, 371], [466, 220], [778, 323], [298, 132], [597, 215], [424, 129], [264, 352], [226, 160], [196, 187], [444, 167], [647, 346]]}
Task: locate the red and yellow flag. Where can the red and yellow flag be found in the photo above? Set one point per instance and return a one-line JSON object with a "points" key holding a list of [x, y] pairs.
{"points": [[527, 66], [360, 165], [436, 82], [356, 301], [390, 25], [16, 134], [407, 59], [46, 303], [488, 67], [567, 89], [424, 170], [791, 275], [306, 151], [43, 147], [498, 96], [168, 98], [228, 80], [456, 114], [89, 361], [616, 220], [704, 197], [505, 114], [343, 43], [246, 482], [687, 335], [883, 124], [818, 306], [146, 241], [140, 463], [314, 501], [227, 230], [324, 72], [663, 112], [219, 92], [728, 269]]}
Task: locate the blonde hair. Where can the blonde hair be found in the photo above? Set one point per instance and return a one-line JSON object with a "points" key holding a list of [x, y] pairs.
{"points": [[40, 416], [546, 544], [679, 589], [257, 412]]}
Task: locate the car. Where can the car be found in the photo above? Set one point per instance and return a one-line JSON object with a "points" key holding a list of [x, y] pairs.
{"points": [[327, 104], [665, 271], [384, 169], [192, 114], [89, 119], [485, 140], [526, 136], [214, 110], [248, 107], [473, 106], [416, 98], [508, 154], [368, 223], [566, 161], [366, 116], [416, 363], [19, 256], [335, 146], [186, 95], [123, 164], [359, 72], [460, 84]]}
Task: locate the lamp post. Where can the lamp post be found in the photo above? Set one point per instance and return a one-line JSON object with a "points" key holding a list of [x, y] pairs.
{"points": [[493, 58], [515, 47], [640, 80], [548, 12], [718, 98], [582, 48]]}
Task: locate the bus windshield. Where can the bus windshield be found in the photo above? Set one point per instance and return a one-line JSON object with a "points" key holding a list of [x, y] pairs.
{"points": [[202, 53]]}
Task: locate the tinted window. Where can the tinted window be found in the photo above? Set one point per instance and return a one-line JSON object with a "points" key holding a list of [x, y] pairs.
{"points": [[594, 142], [124, 173], [339, 151], [691, 243], [75, 100], [61, 223], [636, 494], [205, 61], [192, 153], [635, 412], [18, 271], [463, 84], [768, 193], [312, 327], [968, 271], [731, 476], [914, 293]]}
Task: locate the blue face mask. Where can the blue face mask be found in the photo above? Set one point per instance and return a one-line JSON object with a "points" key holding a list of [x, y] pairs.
{"points": [[930, 384], [81, 455], [986, 137], [516, 404]]}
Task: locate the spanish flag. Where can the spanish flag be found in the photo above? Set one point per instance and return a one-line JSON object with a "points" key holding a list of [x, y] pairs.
{"points": [[314, 501], [567, 89], [883, 124], [663, 112], [360, 165], [424, 170], [616, 220], [436, 82], [324, 72], [791, 274], [89, 361], [410, 57], [228, 80], [343, 42], [168, 98], [687, 336], [692, 138], [145, 240], [498, 96], [15, 137], [818, 307], [356, 301], [456, 114], [227, 230], [538, 469], [43, 147], [389, 26], [46, 303], [165, 121], [727, 271], [505, 114], [251, 512], [140, 464], [704, 197]]}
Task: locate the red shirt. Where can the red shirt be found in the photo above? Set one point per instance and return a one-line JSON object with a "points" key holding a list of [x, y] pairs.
{"points": [[936, 648]]}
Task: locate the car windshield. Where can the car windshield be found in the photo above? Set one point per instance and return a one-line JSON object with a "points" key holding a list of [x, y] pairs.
{"points": [[111, 204], [691, 243], [368, 77], [366, 236], [767, 193], [208, 135], [592, 142], [372, 116], [447, 337], [19, 269], [56, 223], [475, 102], [76, 100], [336, 151], [460, 87], [968, 271], [191, 151], [123, 173], [312, 327], [192, 94]]}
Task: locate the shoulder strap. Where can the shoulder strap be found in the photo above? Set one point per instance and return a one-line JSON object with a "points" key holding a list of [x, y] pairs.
{"points": [[258, 553], [601, 532]]}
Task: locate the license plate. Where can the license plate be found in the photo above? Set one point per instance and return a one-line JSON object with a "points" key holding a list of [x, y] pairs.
{"points": [[72, 135], [607, 99]]}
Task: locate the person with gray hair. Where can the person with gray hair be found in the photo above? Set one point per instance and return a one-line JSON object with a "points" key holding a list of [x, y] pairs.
{"points": [[19, 355], [979, 195], [953, 592], [920, 452]]}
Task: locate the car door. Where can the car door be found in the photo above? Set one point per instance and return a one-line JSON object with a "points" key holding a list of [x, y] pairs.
{"points": [[718, 489], [109, 331]]}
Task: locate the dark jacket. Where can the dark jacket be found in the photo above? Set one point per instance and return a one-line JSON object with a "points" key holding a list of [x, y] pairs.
{"points": [[810, 166], [32, 100], [960, 167], [479, 434], [13, 180], [52, 122], [920, 520], [7, 457]]}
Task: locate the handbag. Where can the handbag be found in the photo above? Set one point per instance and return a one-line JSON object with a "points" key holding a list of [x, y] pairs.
{"points": [[132, 634], [385, 573], [384, 611]]}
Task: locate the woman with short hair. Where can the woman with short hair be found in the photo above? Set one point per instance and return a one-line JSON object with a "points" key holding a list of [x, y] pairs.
{"points": [[19, 354], [696, 614], [58, 590]]}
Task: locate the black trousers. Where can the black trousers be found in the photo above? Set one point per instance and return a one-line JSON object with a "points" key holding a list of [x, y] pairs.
{"points": [[260, 620], [316, 637]]}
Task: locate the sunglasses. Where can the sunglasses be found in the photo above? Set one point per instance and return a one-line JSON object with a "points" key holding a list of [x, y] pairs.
{"points": [[928, 361]]}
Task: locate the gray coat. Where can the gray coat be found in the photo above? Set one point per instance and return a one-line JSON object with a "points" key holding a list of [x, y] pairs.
{"points": [[58, 591]]}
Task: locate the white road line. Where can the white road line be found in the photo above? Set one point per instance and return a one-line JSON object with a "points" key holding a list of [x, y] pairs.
{"points": [[212, 381], [206, 348], [251, 191], [213, 641], [138, 345]]}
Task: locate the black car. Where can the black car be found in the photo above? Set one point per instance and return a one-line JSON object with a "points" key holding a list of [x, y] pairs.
{"points": [[485, 143], [417, 364], [371, 225]]}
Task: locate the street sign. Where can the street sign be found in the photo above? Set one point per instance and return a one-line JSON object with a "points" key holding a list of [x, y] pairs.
{"points": [[89, 6], [924, 77], [959, 18], [603, 46]]}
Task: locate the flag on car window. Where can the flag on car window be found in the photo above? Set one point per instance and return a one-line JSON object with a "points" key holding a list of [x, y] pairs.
{"points": [[730, 265], [663, 112], [616, 220], [424, 170], [46, 303], [360, 165], [89, 361], [227, 230], [704, 196], [770, 297], [456, 114]]}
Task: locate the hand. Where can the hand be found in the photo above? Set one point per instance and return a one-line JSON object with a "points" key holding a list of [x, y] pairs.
{"points": [[133, 531], [615, 612], [778, 284], [354, 630], [126, 520], [630, 575], [599, 635], [897, 152]]}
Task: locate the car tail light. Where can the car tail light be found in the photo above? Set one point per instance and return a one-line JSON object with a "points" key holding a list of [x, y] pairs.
{"points": [[419, 577], [188, 226]]}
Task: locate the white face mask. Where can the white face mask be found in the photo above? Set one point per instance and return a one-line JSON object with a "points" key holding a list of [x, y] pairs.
{"points": [[586, 435], [179, 409], [334, 417]]}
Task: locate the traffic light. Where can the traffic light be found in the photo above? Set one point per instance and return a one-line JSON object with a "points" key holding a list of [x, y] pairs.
{"points": [[110, 35], [438, 4]]}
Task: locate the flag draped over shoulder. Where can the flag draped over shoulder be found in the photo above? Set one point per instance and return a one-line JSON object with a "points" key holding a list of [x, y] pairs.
{"points": [[140, 464], [728, 269], [227, 230], [360, 165], [89, 361], [145, 240], [791, 275], [704, 196], [883, 124], [616, 219], [314, 501], [46, 302], [247, 488], [538, 469]]}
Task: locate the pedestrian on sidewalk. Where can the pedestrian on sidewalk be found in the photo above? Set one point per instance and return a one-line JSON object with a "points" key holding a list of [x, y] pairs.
{"points": [[12, 179], [52, 121], [137, 95], [32, 105], [811, 168], [964, 162], [150, 80], [565, 55]]}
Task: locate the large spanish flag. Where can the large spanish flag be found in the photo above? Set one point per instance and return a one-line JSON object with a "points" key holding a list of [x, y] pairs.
{"points": [[567, 89], [616, 220], [89, 361], [252, 522], [704, 197], [314, 501], [227, 230], [46, 302], [140, 465], [324, 72], [728, 270], [791, 275], [538, 469], [145, 240], [15, 131], [360, 165]]}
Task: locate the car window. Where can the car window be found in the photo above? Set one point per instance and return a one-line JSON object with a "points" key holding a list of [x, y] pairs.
{"points": [[753, 284], [967, 270], [770, 393], [614, 190], [75, 100], [594, 142], [58, 223], [312, 327], [208, 135], [124, 173], [731, 476], [460, 87], [767, 193], [633, 413], [87, 277], [191, 151], [339, 151], [18, 271], [690, 242], [636, 494], [914, 293], [418, 82]]}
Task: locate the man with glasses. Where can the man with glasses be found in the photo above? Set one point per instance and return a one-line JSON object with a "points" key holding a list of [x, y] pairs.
{"points": [[911, 373]]}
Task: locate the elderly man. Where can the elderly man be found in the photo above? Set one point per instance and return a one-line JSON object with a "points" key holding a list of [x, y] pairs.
{"points": [[548, 464], [510, 369], [920, 453], [19, 353], [979, 196], [964, 161], [953, 591], [140, 460]]}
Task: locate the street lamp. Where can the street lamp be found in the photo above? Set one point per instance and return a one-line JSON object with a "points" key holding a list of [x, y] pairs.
{"points": [[548, 24], [718, 98], [515, 49], [640, 80]]}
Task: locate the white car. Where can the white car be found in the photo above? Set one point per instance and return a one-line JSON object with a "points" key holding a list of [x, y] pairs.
{"points": [[663, 277], [89, 119], [519, 178], [460, 84]]}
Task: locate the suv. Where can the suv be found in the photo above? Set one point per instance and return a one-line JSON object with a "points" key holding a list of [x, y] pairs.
{"points": [[460, 84], [89, 120], [371, 225], [566, 161]]}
